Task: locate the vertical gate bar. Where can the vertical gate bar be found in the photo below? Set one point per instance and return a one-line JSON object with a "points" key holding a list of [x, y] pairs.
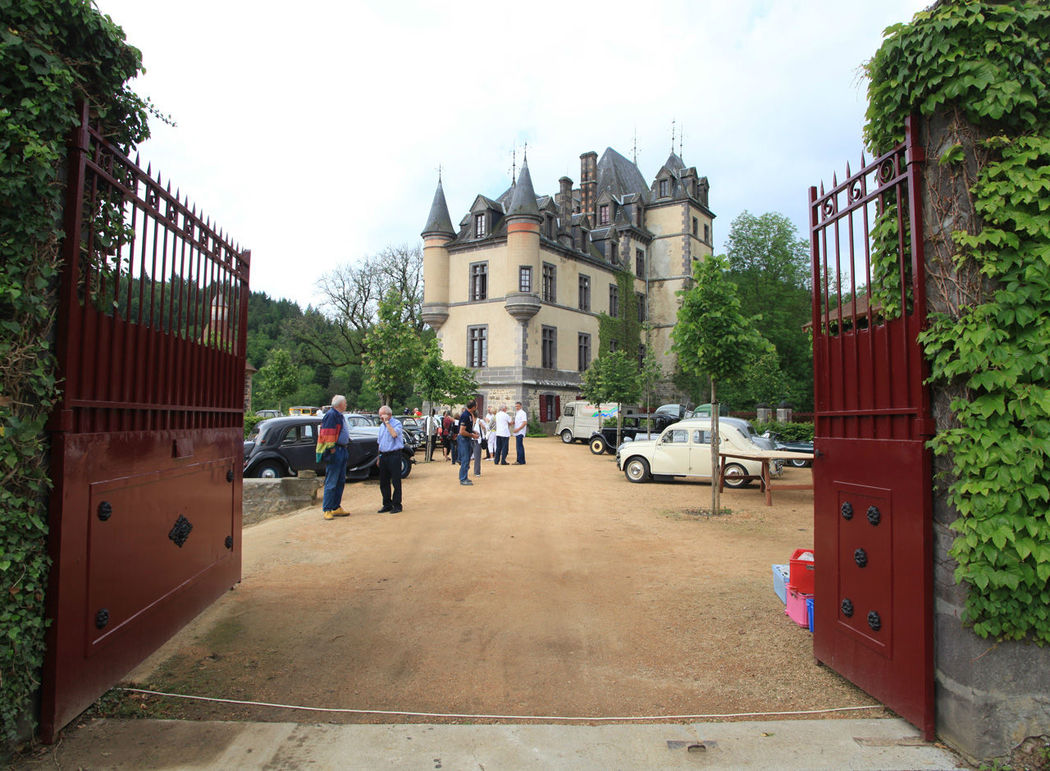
{"points": [[915, 158], [897, 398], [182, 338], [854, 338], [242, 334], [840, 369], [865, 211], [814, 250]]}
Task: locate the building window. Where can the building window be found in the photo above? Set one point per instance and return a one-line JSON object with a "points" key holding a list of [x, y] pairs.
{"points": [[548, 229], [478, 346], [696, 227], [583, 352], [638, 215], [614, 301], [614, 252], [641, 355], [479, 281], [603, 214], [550, 404], [639, 263], [614, 346], [549, 287], [640, 299], [585, 293], [663, 188], [479, 225], [525, 278], [549, 349], [707, 234]]}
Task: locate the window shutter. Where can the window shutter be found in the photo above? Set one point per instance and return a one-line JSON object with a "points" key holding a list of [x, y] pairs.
{"points": [[557, 407]]}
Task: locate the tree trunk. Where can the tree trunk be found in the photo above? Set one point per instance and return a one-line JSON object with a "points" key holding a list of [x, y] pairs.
{"points": [[716, 481], [619, 426]]}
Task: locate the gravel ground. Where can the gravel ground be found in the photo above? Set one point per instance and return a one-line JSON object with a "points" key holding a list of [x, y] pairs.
{"points": [[553, 589]]}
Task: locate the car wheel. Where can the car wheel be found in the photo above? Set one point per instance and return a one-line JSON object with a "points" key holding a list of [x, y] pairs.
{"points": [[566, 436], [736, 476], [636, 470], [406, 466], [800, 463], [269, 471], [597, 446]]}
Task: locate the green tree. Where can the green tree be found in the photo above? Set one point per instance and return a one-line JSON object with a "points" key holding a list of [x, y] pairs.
{"points": [[394, 348], [770, 266], [278, 379], [713, 338], [613, 377], [439, 381]]}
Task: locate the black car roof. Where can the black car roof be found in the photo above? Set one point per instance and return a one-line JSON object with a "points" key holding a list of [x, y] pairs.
{"points": [[290, 420]]}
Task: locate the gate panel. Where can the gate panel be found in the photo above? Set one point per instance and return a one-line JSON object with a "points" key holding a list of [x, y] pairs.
{"points": [[872, 477], [147, 436]]}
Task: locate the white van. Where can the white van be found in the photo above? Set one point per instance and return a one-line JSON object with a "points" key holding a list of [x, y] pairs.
{"points": [[581, 419]]}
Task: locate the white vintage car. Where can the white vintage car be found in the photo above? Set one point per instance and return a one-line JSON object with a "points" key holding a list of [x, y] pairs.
{"points": [[683, 449]]}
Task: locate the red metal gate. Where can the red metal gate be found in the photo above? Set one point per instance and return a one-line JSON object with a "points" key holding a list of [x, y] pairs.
{"points": [[872, 476], [147, 437]]}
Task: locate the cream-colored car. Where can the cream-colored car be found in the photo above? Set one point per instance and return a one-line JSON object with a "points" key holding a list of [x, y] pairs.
{"points": [[683, 449]]}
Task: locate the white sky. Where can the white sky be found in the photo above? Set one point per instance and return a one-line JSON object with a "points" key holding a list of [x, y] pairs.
{"points": [[312, 131]]}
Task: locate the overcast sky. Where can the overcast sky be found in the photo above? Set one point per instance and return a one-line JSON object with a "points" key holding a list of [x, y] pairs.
{"points": [[312, 132]]}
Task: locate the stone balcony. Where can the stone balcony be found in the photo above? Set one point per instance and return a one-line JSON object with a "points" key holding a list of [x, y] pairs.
{"points": [[435, 314], [522, 305]]}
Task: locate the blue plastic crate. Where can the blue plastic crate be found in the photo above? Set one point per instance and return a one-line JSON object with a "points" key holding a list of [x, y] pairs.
{"points": [[809, 612], [780, 580]]}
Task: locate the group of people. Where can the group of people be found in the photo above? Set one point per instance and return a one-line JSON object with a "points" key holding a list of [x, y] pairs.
{"points": [[333, 436], [463, 439], [466, 437]]}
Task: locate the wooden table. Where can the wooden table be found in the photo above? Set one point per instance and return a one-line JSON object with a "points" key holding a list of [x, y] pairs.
{"points": [[764, 456]]}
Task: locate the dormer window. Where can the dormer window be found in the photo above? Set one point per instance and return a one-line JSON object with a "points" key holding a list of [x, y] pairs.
{"points": [[663, 188], [479, 225], [603, 214], [614, 253]]}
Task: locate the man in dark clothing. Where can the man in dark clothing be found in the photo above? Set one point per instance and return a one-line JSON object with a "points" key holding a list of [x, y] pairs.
{"points": [[465, 440]]}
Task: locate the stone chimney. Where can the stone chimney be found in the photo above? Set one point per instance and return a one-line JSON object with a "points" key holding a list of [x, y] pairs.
{"points": [[589, 182], [564, 201]]}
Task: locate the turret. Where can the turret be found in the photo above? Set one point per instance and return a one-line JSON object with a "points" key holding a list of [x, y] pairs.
{"points": [[523, 247], [437, 234]]}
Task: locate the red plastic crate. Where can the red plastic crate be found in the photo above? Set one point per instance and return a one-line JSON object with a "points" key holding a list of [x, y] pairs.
{"points": [[801, 572]]}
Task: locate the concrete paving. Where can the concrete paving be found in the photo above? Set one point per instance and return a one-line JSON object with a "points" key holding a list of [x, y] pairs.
{"points": [[784, 744]]}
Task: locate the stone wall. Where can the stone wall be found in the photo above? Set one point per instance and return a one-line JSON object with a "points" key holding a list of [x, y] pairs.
{"points": [[990, 695], [265, 498]]}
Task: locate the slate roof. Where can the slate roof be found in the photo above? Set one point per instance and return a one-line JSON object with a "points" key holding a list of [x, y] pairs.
{"points": [[439, 220], [523, 199], [620, 176]]}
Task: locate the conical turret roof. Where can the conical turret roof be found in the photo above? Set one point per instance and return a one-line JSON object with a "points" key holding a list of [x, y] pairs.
{"points": [[523, 199], [439, 222]]}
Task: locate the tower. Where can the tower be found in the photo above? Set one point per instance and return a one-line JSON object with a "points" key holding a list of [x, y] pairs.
{"points": [[523, 249], [437, 234]]}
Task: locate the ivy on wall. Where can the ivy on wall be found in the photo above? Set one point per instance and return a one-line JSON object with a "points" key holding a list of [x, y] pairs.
{"points": [[985, 69], [623, 331], [53, 53]]}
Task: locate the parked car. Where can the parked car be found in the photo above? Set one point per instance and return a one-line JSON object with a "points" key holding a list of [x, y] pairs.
{"points": [[281, 447], [793, 447], [683, 449], [634, 427], [268, 413], [302, 410]]}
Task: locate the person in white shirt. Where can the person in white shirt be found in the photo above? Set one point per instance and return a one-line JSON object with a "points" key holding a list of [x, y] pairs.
{"points": [[521, 423], [492, 432], [481, 441], [502, 436]]}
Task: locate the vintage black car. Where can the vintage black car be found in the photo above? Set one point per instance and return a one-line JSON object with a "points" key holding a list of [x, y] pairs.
{"points": [[280, 447], [794, 447], [633, 424]]}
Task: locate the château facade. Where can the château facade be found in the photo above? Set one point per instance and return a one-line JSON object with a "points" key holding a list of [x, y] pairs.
{"points": [[515, 291]]}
